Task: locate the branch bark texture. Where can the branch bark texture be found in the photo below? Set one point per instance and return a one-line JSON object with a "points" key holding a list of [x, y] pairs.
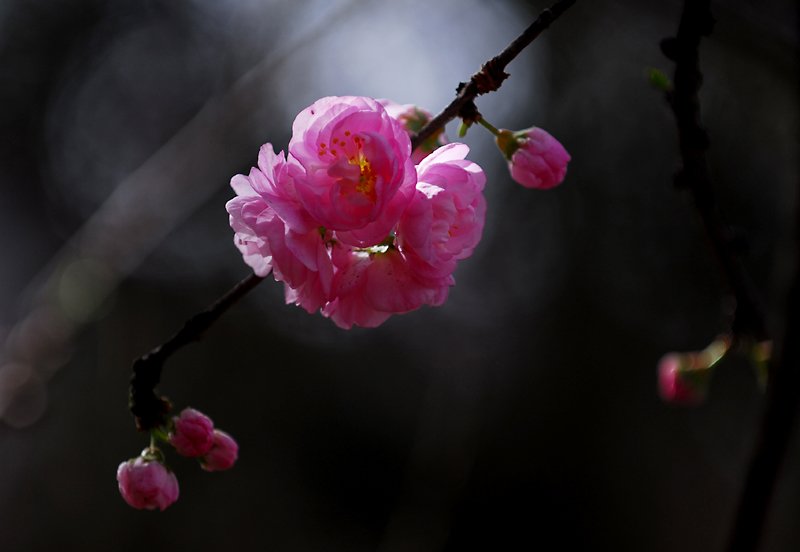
{"points": [[492, 73]]}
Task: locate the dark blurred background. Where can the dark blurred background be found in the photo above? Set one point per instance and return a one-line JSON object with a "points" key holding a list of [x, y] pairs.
{"points": [[522, 414]]}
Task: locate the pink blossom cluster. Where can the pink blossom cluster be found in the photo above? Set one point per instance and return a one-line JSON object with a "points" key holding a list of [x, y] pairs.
{"points": [[146, 482], [349, 222]]}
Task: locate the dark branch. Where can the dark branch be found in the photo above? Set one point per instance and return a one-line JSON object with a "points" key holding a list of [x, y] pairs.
{"points": [[783, 396], [492, 73], [148, 408], [784, 381], [776, 429], [696, 21]]}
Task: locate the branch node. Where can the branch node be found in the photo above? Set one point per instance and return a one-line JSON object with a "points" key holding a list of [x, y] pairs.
{"points": [[469, 113], [148, 409], [490, 77], [706, 24]]}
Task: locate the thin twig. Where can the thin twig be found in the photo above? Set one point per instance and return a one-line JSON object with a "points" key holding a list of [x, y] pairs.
{"points": [[150, 409], [492, 73]]}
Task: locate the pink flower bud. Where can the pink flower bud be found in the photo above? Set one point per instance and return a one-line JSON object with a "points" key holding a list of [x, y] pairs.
{"points": [[222, 455], [536, 159], [147, 483], [678, 382], [193, 434]]}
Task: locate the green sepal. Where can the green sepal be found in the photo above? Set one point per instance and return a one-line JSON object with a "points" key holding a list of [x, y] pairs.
{"points": [[509, 142]]}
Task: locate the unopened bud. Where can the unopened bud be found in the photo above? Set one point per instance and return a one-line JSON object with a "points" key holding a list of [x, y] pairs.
{"points": [[535, 158], [147, 483], [192, 434], [222, 455]]}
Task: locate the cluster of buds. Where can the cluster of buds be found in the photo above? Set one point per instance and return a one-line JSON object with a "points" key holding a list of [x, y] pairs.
{"points": [[146, 481]]}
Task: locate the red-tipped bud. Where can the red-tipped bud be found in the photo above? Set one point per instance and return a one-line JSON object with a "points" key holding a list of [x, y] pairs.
{"points": [[192, 434], [683, 377], [678, 382], [222, 455]]}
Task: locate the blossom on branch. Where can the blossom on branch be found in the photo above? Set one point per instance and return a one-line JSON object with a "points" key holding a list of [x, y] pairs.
{"points": [[444, 221], [276, 233], [351, 166], [349, 223]]}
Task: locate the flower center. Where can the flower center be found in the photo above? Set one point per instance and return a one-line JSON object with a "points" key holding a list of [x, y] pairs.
{"points": [[351, 147]]}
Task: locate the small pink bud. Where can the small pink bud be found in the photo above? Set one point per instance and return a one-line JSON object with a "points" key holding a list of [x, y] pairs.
{"points": [[679, 382], [536, 159], [147, 483], [222, 455], [193, 433]]}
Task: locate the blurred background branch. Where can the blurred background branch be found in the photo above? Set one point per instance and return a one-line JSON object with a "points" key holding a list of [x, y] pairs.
{"points": [[144, 208]]}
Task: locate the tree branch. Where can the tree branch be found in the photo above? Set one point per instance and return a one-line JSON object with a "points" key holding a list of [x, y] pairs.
{"points": [[492, 73], [150, 409], [696, 21], [783, 393], [784, 380]]}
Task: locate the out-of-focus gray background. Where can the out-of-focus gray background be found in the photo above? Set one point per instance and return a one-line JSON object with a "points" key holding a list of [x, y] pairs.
{"points": [[521, 415]]}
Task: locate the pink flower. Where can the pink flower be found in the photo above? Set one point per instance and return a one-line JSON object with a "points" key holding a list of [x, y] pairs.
{"points": [[147, 483], [444, 221], [193, 433], [372, 285], [341, 220], [536, 159], [679, 382], [275, 232], [222, 455], [413, 118], [351, 166]]}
